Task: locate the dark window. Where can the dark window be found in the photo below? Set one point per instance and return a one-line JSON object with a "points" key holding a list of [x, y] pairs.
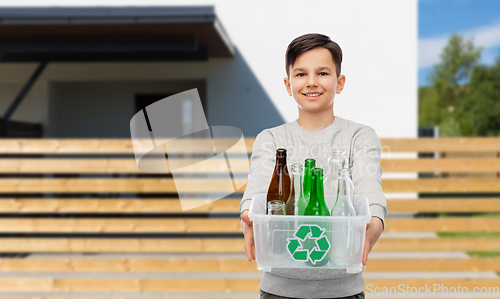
{"points": [[144, 100]]}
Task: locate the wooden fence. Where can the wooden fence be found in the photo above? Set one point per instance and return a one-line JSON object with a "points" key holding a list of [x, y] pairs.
{"points": [[78, 214]]}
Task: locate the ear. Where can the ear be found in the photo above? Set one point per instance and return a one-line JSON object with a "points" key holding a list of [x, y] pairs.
{"points": [[340, 83], [287, 85]]}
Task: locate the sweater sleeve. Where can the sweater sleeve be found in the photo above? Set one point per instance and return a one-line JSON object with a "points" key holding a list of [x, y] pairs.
{"points": [[366, 172], [261, 168]]}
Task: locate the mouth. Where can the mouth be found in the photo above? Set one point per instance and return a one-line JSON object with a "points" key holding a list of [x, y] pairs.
{"points": [[312, 95]]}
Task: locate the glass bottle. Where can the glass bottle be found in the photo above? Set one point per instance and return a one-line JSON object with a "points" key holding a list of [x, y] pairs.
{"points": [[296, 205], [279, 188], [317, 205], [335, 162], [342, 232], [344, 204], [276, 207], [277, 234], [308, 178]]}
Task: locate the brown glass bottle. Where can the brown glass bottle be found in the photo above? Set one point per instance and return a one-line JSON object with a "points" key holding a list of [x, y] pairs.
{"points": [[279, 188]]}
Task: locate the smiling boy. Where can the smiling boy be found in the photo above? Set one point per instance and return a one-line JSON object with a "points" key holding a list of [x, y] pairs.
{"points": [[313, 68]]}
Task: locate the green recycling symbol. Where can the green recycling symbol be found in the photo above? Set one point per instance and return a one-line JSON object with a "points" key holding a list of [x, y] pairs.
{"points": [[303, 233]]}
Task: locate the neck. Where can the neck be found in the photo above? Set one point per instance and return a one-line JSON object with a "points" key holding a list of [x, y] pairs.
{"points": [[317, 121]]}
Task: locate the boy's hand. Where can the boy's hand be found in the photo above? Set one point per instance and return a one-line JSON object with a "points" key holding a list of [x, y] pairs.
{"points": [[373, 231], [248, 232]]}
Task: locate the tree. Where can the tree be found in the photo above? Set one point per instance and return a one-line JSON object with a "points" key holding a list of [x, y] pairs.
{"points": [[483, 104], [441, 104]]}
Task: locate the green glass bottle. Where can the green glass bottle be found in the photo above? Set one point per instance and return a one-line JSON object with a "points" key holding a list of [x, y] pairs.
{"points": [[317, 205], [308, 178]]}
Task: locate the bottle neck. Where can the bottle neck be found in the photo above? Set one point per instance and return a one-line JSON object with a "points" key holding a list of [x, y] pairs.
{"points": [[281, 165], [319, 186], [281, 160], [344, 172]]}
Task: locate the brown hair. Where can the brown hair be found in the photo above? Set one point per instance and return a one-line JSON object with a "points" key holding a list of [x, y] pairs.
{"points": [[307, 42]]}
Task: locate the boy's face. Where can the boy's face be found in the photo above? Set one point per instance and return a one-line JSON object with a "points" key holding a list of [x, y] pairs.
{"points": [[314, 73]]}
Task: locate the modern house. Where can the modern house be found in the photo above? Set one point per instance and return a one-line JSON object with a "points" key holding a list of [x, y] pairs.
{"points": [[87, 70]]}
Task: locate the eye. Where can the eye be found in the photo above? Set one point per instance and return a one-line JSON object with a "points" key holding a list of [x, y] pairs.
{"points": [[324, 73], [299, 74]]}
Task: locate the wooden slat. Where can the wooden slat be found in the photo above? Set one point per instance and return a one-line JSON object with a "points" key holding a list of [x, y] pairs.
{"points": [[442, 185], [440, 145], [199, 185], [432, 265], [130, 285], [439, 205], [437, 244], [463, 224], [127, 265], [121, 146], [166, 185], [94, 146], [107, 166], [210, 285], [123, 205], [128, 245], [215, 225], [157, 205], [181, 296], [229, 245], [226, 265], [127, 225], [463, 165], [91, 296], [80, 165]]}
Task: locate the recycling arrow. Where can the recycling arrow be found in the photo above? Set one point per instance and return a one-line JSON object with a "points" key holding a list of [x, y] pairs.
{"points": [[316, 255], [303, 233]]}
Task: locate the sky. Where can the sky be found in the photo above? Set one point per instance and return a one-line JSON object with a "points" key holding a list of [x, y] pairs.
{"points": [[438, 19]]}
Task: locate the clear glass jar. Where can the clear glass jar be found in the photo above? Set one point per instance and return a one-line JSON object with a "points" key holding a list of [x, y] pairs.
{"points": [[276, 207]]}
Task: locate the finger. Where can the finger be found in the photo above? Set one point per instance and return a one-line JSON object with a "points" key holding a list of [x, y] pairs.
{"points": [[245, 218], [366, 250], [248, 251]]}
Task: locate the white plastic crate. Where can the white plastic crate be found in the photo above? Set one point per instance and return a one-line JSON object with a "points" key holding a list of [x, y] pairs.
{"points": [[309, 241]]}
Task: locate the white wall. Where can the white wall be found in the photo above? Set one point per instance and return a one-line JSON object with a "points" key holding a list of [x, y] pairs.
{"points": [[378, 38]]}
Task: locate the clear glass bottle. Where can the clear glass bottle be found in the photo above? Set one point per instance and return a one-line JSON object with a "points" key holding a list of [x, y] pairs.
{"points": [[335, 162], [296, 204], [277, 234], [344, 204], [276, 207], [343, 248]]}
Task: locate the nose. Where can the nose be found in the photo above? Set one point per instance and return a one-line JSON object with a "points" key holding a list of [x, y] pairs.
{"points": [[312, 81]]}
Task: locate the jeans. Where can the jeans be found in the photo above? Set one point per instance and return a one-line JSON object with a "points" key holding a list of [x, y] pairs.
{"points": [[264, 295]]}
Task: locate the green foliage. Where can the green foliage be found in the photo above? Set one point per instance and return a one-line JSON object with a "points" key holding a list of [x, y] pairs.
{"points": [[483, 254], [468, 234], [463, 99], [428, 111], [483, 104]]}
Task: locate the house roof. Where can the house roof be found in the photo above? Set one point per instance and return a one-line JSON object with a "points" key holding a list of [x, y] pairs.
{"points": [[161, 33]]}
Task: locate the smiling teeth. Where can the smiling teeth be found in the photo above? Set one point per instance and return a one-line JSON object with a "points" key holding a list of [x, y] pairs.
{"points": [[312, 94]]}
